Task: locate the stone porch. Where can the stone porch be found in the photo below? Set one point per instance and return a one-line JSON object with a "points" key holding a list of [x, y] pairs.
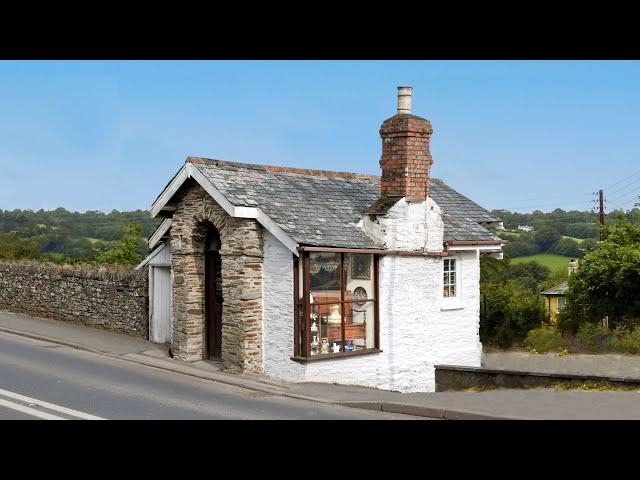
{"points": [[241, 251]]}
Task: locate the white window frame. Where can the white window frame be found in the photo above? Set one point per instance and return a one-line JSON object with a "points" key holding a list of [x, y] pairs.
{"points": [[449, 261], [452, 302]]}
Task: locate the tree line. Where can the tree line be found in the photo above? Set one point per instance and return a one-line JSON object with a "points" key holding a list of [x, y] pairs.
{"points": [[63, 236], [568, 233]]}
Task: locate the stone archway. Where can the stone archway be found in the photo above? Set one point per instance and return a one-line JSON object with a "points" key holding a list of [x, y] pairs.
{"points": [[241, 263]]}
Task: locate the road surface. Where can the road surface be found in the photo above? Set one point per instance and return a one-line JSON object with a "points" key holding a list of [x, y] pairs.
{"points": [[42, 380]]}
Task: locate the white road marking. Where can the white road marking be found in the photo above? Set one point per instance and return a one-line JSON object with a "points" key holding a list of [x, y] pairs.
{"points": [[43, 404], [29, 411]]}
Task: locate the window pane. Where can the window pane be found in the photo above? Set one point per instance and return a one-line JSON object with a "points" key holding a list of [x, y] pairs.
{"points": [[358, 277], [359, 326], [449, 278], [325, 277], [562, 302], [326, 333]]}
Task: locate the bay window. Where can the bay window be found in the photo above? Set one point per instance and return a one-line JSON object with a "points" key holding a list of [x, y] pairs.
{"points": [[336, 304]]}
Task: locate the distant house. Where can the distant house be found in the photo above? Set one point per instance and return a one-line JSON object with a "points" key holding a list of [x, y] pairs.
{"points": [[525, 228], [557, 296], [556, 300]]}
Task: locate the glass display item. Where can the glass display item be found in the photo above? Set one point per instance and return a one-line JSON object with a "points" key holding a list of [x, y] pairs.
{"points": [[314, 345], [334, 316], [325, 345]]}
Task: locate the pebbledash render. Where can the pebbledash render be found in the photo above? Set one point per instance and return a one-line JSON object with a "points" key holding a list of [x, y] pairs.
{"points": [[319, 276]]}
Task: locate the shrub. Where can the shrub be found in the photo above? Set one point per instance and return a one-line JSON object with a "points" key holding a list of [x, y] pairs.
{"points": [[567, 322], [595, 337], [504, 337], [630, 341], [567, 247], [125, 251], [543, 339]]}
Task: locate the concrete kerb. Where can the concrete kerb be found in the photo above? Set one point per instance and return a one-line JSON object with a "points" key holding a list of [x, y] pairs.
{"points": [[425, 411], [265, 387]]}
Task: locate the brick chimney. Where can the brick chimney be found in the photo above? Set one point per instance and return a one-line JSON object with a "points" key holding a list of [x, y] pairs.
{"points": [[405, 159]]}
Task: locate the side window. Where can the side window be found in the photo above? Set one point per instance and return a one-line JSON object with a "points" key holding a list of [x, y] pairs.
{"points": [[450, 280], [562, 302]]}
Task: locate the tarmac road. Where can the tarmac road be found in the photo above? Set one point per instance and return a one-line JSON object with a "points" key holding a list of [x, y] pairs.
{"points": [[42, 380]]}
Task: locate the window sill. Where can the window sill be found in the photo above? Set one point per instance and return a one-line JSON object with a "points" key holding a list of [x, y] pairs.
{"points": [[451, 306], [335, 356]]}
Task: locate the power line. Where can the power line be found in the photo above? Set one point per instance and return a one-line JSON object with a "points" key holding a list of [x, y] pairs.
{"points": [[633, 200], [623, 198], [620, 181], [528, 207], [633, 185]]}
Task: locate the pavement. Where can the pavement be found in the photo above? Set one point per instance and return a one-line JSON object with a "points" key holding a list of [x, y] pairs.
{"points": [[116, 349]]}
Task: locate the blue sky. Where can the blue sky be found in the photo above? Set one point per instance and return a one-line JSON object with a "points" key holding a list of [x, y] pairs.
{"points": [[99, 135]]}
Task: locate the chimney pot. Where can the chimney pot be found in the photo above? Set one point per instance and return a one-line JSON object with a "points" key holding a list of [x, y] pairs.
{"points": [[404, 99]]}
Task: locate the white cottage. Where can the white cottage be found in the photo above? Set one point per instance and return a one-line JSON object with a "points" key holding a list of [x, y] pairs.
{"points": [[321, 276]]}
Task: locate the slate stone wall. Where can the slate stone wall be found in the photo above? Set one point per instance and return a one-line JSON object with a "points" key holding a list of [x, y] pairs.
{"points": [[90, 295], [241, 251]]}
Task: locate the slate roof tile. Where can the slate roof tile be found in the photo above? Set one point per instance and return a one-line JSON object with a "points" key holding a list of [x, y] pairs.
{"points": [[323, 208]]}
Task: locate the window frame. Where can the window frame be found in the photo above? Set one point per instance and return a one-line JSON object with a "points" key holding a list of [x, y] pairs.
{"points": [[564, 304], [455, 302], [302, 307], [455, 271]]}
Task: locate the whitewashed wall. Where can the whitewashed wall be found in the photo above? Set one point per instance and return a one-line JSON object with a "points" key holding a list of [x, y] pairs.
{"points": [[418, 327], [277, 311], [416, 332]]}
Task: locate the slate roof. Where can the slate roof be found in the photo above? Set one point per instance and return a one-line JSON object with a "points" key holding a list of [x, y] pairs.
{"points": [[557, 290], [322, 208]]}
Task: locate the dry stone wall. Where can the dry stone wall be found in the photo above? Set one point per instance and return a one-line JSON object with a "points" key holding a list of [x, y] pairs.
{"points": [[95, 296]]}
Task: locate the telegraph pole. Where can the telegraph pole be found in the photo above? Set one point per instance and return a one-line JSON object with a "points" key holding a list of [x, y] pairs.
{"points": [[601, 201]]}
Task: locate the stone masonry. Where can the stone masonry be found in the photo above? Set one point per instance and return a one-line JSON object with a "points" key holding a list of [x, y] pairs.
{"points": [[96, 296], [241, 251]]}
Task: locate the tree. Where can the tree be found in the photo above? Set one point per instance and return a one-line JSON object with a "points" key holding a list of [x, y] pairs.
{"points": [[125, 251], [13, 247], [510, 301], [582, 230], [546, 238], [508, 311], [608, 280], [568, 247]]}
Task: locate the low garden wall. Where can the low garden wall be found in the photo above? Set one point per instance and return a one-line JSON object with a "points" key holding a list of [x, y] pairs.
{"points": [[106, 297], [453, 377]]}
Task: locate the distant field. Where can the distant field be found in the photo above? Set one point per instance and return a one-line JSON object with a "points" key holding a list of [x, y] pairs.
{"points": [[579, 240], [506, 235], [554, 262]]}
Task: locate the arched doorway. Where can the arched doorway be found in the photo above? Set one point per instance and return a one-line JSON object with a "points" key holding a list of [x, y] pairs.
{"points": [[213, 294]]}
